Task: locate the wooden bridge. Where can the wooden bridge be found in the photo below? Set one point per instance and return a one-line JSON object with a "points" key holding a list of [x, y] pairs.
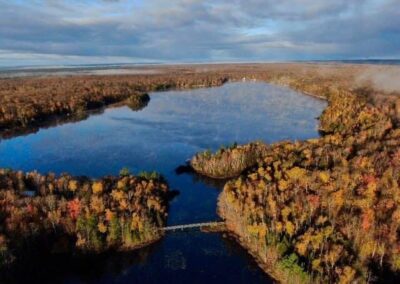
{"points": [[191, 226]]}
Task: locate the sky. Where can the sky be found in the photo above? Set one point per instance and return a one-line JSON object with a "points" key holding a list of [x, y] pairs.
{"points": [[58, 32]]}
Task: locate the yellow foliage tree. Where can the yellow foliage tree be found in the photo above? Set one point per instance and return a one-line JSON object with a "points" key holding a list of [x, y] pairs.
{"points": [[96, 204], [97, 187], [73, 185]]}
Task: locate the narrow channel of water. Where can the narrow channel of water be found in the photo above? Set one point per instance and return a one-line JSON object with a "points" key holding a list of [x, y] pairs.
{"points": [[171, 129]]}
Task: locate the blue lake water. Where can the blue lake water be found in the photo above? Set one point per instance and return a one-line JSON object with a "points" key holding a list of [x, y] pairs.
{"points": [[171, 129]]}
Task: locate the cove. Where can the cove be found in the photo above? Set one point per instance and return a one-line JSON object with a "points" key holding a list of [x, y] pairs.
{"points": [[171, 129]]}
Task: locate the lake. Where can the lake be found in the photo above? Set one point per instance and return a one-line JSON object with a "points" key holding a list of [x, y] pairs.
{"points": [[164, 135]]}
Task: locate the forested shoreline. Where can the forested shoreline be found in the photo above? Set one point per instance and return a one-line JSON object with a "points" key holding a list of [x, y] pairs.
{"points": [[325, 209], [79, 215]]}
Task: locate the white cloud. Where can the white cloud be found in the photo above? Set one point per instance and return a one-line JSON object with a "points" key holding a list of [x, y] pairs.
{"points": [[184, 30]]}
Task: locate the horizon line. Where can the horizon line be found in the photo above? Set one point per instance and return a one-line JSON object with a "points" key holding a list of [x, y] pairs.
{"points": [[164, 63]]}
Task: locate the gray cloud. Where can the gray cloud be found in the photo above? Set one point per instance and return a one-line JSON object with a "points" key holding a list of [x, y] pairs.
{"points": [[186, 30]]}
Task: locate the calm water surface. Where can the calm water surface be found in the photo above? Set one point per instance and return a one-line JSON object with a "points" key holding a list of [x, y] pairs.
{"points": [[171, 129]]}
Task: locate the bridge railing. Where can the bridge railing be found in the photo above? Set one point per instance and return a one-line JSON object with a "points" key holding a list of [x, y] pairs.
{"points": [[189, 226]]}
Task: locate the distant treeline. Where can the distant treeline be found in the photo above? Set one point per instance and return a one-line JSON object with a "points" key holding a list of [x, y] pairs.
{"points": [[28, 102]]}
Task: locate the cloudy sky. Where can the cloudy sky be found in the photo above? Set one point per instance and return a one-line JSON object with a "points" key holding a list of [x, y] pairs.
{"points": [[109, 31]]}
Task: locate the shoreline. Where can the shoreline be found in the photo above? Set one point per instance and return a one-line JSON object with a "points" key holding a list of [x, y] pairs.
{"points": [[261, 207], [55, 120], [74, 94]]}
